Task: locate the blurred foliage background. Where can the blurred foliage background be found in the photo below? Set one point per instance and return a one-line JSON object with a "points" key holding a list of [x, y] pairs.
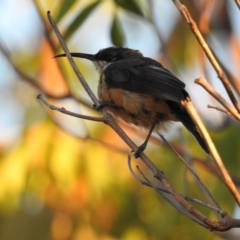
{"points": [[65, 178]]}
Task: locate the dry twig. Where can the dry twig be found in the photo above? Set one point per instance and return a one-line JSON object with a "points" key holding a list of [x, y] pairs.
{"points": [[202, 81], [238, 3], [220, 110], [214, 153], [64, 111], [192, 171], [185, 13]]}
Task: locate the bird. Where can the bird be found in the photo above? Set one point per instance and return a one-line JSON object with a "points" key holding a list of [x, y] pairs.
{"points": [[140, 91]]}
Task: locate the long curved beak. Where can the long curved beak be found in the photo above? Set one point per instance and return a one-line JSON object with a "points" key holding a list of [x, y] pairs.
{"points": [[78, 55]]}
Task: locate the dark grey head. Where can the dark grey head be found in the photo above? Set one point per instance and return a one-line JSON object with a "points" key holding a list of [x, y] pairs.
{"points": [[108, 55], [113, 54]]}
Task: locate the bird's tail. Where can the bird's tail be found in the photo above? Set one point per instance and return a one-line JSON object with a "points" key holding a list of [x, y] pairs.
{"points": [[187, 121]]}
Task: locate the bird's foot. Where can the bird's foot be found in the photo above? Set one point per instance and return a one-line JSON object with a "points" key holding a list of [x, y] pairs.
{"points": [[140, 149], [103, 105], [99, 107]]}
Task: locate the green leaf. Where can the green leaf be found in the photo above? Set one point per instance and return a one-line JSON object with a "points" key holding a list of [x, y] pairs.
{"points": [[117, 34], [130, 5], [80, 18], [65, 6]]}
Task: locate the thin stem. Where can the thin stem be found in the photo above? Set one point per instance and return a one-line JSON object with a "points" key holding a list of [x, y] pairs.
{"points": [[71, 61], [64, 111], [214, 153], [145, 181], [238, 3], [202, 81], [191, 170], [30, 80], [220, 110], [185, 13]]}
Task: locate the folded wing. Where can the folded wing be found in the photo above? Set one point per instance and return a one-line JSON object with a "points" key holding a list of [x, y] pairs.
{"points": [[146, 76]]}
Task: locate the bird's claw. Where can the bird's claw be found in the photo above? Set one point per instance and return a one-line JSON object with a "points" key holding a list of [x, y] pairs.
{"points": [[103, 105], [99, 107], [139, 150]]}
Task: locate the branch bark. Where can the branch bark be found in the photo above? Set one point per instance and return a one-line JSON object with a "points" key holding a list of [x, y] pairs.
{"points": [[214, 153]]}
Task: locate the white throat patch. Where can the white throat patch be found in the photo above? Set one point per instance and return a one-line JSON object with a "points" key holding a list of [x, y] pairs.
{"points": [[101, 66]]}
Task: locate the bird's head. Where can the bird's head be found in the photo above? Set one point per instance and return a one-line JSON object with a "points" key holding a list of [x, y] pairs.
{"points": [[113, 54], [106, 56]]}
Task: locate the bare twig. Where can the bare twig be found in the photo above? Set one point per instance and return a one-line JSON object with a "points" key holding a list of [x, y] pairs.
{"points": [[220, 110], [70, 59], [64, 111], [238, 3], [148, 183], [145, 181], [201, 81], [135, 175], [32, 82], [214, 153], [191, 170], [28, 79], [185, 13]]}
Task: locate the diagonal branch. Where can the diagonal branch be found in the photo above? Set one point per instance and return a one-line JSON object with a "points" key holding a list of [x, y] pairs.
{"points": [[202, 81], [64, 111], [191, 170], [28, 79], [238, 3], [185, 13], [70, 59], [220, 110], [148, 183], [214, 153]]}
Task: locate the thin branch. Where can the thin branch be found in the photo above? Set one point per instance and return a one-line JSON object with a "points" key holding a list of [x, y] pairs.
{"points": [[32, 82], [145, 181], [214, 153], [72, 63], [28, 79], [220, 110], [238, 3], [64, 111], [148, 183], [191, 170], [201, 81], [216, 209], [185, 13]]}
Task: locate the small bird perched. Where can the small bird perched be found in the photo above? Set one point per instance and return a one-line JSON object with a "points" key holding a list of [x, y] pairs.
{"points": [[140, 91]]}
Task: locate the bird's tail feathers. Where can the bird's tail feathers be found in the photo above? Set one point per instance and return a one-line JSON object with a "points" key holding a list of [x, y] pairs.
{"points": [[187, 121]]}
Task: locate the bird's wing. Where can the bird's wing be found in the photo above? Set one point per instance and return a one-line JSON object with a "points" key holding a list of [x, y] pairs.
{"points": [[146, 76]]}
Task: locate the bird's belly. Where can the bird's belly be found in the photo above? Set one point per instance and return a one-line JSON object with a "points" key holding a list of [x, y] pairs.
{"points": [[139, 109]]}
